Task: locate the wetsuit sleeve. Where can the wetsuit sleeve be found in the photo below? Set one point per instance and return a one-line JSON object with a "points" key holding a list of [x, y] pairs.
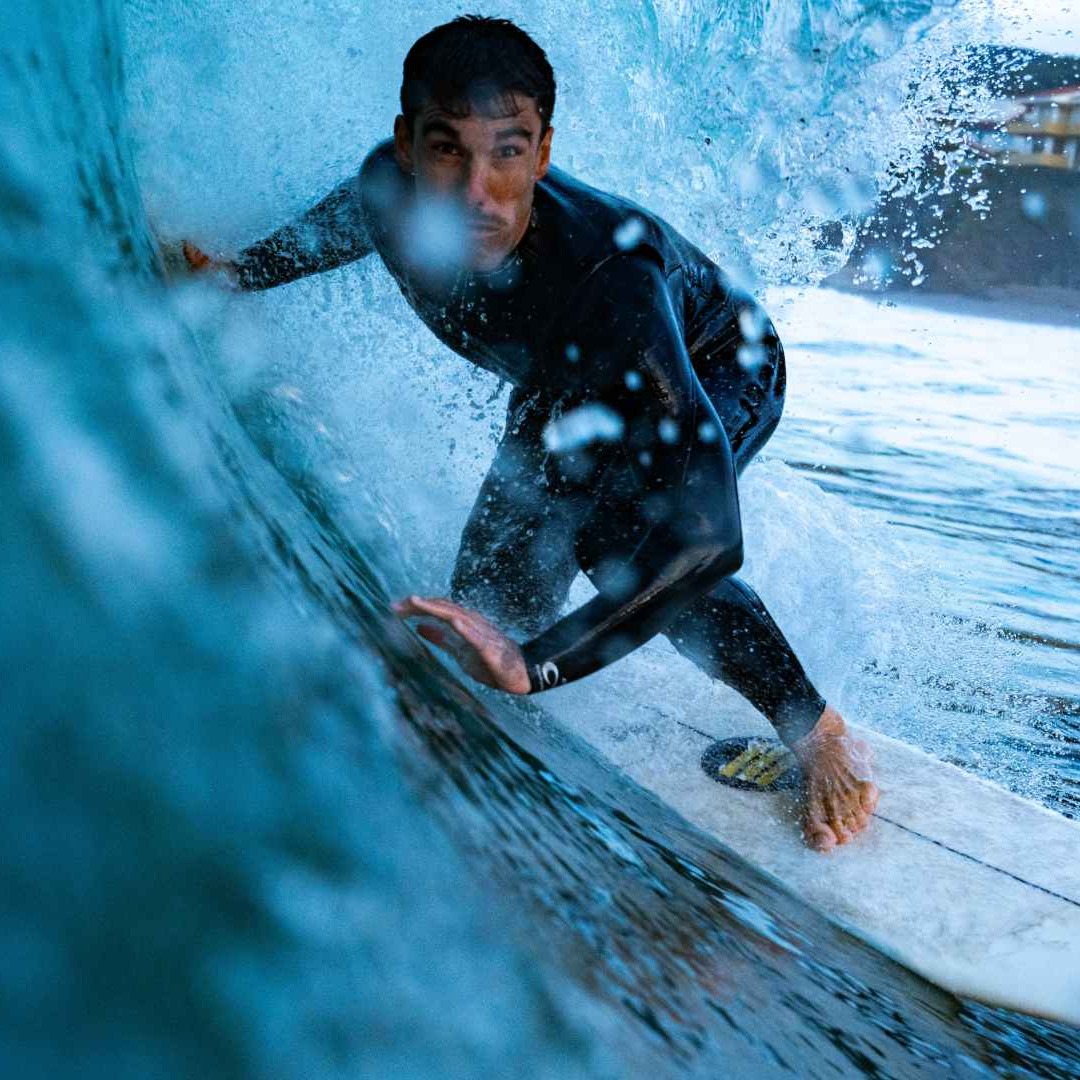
{"points": [[333, 232], [637, 434]]}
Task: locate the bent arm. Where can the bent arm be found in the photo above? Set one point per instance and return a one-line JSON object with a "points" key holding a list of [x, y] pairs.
{"points": [[667, 510], [332, 233]]}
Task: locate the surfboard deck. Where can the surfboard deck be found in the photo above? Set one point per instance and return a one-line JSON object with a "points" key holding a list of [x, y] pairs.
{"points": [[970, 886]]}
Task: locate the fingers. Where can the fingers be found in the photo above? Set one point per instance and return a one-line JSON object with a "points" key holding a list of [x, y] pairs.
{"points": [[474, 628], [480, 647], [428, 605], [449, 642], [196, 259], [433, 633], [199, 262], [458, 630]]}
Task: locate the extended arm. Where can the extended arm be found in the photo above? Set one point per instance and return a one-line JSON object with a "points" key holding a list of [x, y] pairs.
{"points": [[666, 524], [333, 232]]}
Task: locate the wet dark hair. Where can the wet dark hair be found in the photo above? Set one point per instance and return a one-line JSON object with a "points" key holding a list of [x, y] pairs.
{"points": [[476, 61]]}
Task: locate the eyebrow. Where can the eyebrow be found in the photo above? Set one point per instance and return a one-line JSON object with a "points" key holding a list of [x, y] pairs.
{"points": [[439, 126], [514, 133]]}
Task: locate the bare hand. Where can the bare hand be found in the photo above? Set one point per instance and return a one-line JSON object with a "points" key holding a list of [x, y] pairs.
{"points": [[483, 651], [199, 262]]}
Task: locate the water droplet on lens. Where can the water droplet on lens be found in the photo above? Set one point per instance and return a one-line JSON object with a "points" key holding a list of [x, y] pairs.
{"points": [[630, 233], [1034, 205]]}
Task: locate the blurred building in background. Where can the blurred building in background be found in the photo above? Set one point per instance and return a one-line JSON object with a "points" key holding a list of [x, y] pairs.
{"points": [[1003, 213], [1041, 129]]}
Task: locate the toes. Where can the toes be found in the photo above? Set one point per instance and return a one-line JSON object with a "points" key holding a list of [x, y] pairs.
{"points": [[840, 799], [819, 836], [836, 808], [840, 831], [849, 813], [816, 831], [849, 819]]}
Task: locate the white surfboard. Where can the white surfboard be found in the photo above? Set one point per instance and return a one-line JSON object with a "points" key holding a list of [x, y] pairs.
{"points": [[961, 881]]}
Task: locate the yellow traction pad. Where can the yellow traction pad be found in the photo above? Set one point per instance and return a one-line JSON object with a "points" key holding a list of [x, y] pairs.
{"points": [[752, 764]]}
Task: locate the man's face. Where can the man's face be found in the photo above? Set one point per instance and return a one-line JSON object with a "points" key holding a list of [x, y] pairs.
{"points": [[486, 165]]}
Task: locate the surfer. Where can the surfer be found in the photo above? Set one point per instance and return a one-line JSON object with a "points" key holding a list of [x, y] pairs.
{"points": [[643, 382]]}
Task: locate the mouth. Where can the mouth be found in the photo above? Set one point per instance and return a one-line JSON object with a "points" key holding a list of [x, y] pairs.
{"points": [[483, 227]]}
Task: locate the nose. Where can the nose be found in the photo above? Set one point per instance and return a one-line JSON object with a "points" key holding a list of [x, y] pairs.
{"points": [[476, 185]]}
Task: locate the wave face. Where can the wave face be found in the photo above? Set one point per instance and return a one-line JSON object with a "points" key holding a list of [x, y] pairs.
{"points": [[251, 827]]}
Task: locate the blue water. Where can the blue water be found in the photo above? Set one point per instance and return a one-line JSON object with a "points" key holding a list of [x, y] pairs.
{"points": [[252, 828]]}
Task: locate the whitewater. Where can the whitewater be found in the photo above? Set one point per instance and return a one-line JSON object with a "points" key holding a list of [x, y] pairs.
{"points": [[253, 826]]}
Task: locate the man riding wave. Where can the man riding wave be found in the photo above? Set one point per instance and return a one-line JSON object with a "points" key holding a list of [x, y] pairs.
{"points": [[644, 382]]}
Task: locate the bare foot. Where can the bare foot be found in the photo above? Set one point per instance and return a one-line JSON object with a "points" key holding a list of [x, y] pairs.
{"points": [[839, 796]]}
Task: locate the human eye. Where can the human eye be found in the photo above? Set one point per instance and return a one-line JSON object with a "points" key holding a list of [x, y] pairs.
{"points": [[447, 148], [510, 151]]}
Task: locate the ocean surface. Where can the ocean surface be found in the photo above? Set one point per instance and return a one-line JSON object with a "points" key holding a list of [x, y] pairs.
{"points": [[252, 826]]}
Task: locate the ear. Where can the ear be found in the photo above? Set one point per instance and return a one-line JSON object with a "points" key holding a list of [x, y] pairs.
{"points": [[543, 157], [403, 148]]}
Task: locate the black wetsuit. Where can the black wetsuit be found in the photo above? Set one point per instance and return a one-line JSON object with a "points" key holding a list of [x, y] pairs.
{"points": [[643, 383]]}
